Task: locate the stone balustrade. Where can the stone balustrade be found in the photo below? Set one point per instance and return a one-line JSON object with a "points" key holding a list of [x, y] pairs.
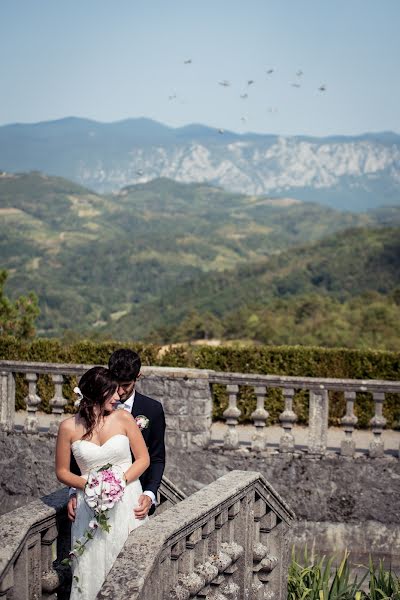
{"points": [[186, 395], [35, 538], [318, 389], [227, 541]]}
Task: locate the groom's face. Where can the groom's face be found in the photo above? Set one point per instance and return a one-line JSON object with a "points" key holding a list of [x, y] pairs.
{"points": [[125, 389]]}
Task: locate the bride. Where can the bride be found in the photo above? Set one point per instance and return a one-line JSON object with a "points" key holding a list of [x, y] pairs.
{"points": [[98, 435]]}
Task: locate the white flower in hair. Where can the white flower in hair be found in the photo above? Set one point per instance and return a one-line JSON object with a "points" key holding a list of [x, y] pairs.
{"points": [[78, 392]]}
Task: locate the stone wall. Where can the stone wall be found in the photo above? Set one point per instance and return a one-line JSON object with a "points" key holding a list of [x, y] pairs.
{"points": [[340, 502]]}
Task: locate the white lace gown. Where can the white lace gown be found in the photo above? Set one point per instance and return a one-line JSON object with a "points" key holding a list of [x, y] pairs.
{"points": [[92, 567]]}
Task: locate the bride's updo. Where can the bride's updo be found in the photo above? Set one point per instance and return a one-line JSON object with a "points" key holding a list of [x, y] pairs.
{"points": [[96, 385]]}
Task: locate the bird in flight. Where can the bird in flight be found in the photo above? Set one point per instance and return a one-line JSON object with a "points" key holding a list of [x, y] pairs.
{"points": [[224, 83], [187, 61], [220, 131], [299, 73], [139, 172], [296, 85], [322, 88], [250, 81], [244, 96], [270, 71]]}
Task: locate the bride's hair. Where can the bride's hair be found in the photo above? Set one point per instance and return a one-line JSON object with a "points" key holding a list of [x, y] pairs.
{"points": [[96, 385]]}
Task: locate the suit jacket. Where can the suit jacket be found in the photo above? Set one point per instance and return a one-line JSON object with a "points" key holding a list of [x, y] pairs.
{"points": [[153, 436]]}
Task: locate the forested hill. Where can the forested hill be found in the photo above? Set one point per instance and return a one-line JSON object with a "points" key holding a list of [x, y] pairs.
{"points": [[344, 273], [133, 264]]}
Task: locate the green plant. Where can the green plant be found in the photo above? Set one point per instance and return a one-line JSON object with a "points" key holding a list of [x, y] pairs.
{"points": [[383, 584], [318, 579], [321, 581]]}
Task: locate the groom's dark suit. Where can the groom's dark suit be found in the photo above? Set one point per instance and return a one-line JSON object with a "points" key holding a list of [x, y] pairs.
{"points": [[153, 436]]}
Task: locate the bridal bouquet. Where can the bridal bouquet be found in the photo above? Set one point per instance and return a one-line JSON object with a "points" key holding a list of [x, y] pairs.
{"points": [[103, 489]]}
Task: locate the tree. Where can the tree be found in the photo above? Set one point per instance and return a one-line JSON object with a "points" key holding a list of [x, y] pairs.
{"points": [[17, 318]]}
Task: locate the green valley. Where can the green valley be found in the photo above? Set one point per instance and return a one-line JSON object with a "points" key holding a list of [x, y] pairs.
{"points": [[162, 260]]}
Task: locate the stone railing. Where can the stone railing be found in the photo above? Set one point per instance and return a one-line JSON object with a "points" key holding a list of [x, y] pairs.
{"points": [[227, 541], [186, 395], [36, 537], [318, 389]]}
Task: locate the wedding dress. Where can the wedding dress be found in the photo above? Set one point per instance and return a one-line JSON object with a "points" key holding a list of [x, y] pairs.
{"points": [[92, 567]]}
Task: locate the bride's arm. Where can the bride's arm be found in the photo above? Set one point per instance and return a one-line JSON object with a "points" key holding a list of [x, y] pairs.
{"points": [[63, 458], [138, 447]]}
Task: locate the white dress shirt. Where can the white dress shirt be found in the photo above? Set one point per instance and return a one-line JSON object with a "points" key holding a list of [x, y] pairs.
{"points": [[127, 405]]}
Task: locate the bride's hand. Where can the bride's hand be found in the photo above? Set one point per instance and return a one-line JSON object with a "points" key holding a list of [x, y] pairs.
{"points": [[71, 508]]}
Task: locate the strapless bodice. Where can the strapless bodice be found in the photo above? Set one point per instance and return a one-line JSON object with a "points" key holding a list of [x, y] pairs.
{"points": [[116, 451]]}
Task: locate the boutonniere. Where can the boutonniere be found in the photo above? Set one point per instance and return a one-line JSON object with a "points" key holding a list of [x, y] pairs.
{"points": [[142, 422]]}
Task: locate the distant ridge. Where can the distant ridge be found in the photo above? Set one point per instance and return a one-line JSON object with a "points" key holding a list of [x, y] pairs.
{"points": [[345, 172]]}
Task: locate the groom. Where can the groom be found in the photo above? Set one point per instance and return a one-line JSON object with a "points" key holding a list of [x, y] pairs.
{"points": [[125, 366]]}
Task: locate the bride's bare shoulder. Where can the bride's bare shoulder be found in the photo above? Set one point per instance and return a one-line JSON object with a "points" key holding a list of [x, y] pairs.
{"points": [[123, 416], [68, 425]]}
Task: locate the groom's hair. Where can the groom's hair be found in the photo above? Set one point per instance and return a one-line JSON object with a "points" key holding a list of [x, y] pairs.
{"points": [[124, 365]]}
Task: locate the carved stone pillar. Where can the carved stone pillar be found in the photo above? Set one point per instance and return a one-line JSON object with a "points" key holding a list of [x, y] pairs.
{"points": [[287, 418], [378, 422], [259, 416], [57, 403], [231, 414], [318, 421], [7, 401], [32, 402], [348, 445]]}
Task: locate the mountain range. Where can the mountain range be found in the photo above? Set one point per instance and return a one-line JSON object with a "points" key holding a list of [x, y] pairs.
{"points": [[349, 173]]}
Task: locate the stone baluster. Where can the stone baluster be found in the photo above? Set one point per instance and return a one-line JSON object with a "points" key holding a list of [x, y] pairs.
{"points": [[189, 582], [287, 418], [231, 414], [348, 445], [50, 577], [318, 421], [32, 402], [204, 567], [21, 584], [7, 583], [378, 422], [259, 416], [177, 551], [7, 400], [57, 402], [263, 561]]}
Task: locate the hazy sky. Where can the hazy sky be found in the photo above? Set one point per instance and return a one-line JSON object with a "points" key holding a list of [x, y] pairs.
{"points": [[113, 59]]}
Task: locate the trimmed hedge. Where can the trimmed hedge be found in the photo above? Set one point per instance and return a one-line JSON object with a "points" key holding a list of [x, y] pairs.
{"points": [[302, 361], [51, 350]]}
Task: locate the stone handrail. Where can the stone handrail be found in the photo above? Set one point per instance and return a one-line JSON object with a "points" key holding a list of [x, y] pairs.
{"points": [[30, 538], [33, 536], [186, 395], [228, 540]]}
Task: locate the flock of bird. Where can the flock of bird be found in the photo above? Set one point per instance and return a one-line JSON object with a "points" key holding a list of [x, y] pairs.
{"points": [[269, 72]]}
